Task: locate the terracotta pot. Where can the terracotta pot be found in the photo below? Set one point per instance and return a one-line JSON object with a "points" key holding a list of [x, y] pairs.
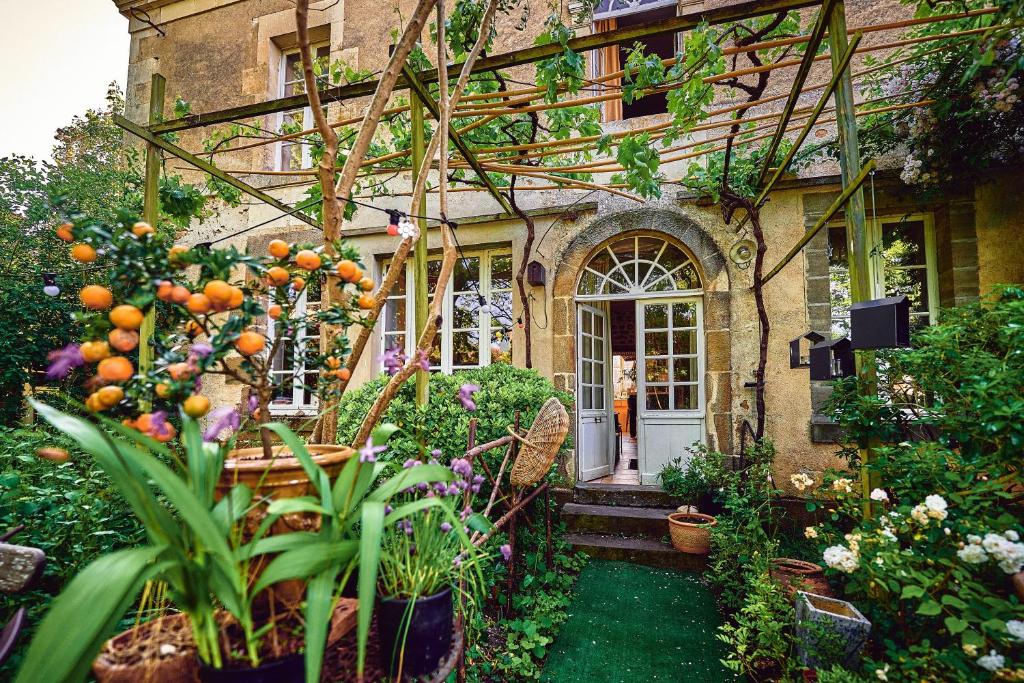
{"points": [[1018, 585], [691, 532], [157, 651], [796, 575]]}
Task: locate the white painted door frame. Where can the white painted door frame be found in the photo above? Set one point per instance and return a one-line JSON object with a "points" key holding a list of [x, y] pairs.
{"points": [[595, 412]]}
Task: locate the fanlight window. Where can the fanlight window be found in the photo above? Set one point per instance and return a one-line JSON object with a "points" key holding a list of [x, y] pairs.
{"points": [[638, 265]]}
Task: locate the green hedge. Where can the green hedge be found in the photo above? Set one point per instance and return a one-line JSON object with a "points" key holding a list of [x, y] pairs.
{"points": [[444, 424]]}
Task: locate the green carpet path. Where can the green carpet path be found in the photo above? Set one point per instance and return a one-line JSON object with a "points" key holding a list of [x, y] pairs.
{"points": [[632, 623]]}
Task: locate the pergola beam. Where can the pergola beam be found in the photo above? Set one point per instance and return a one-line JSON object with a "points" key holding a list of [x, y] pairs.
{"points": [[428, 102], [206, 166], [832, 210], [720, 15], [810, 52]]}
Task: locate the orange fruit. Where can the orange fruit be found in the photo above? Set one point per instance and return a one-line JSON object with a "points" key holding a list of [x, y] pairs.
{"points": [[163, 390], [115, 369], [64, 232], [92, 403], [175, 253], [193, 329], [94, 351], [83, 253], [54, 454], [179, 371], [164, 289], [365, 302], [218, 292], [307, 259], [250, 343], [180, 294], [344, 374], [278, 276], [274, 311], [123, 340], [347, 269], [142, 228], [366, 284], [237, 298], [279, 249], [145, 424], [196, 406], [126, 317], [332, 362], [298, 284], [95, 297], [109, 396], [199, 304]]}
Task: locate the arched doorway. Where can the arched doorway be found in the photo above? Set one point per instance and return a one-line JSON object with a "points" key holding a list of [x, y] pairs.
{"points": [[640, 332]]}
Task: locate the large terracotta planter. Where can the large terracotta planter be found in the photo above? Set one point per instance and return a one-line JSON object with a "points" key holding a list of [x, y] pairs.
{"points": [[796, 575], [691, 532], [158, 651]]}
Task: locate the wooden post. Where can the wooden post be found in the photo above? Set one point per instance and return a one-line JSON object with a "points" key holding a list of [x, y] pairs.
{"points": [[151, 209], [857, 241], [419, 260]]}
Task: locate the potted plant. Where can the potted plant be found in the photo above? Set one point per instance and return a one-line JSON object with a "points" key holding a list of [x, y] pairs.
{"points": [[425, 559], [691, 532], [696, 479], [199, 549], [821, 618], [794, 575]]}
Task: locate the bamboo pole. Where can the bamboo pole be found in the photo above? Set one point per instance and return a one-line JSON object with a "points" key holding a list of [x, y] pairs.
{"points": [[419, 259], [151, 210]]}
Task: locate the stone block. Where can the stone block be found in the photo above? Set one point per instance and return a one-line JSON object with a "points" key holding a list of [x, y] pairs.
{"points": [[718, 345], [717, 310], [818, 290]]}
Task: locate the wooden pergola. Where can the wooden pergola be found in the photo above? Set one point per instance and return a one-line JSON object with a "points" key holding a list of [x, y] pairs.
{"points": [[829, 28]]}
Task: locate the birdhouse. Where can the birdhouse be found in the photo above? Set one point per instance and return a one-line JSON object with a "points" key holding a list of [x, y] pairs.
{"points": [[831, 359], [535, 274], [800, 349], [880, 323]]}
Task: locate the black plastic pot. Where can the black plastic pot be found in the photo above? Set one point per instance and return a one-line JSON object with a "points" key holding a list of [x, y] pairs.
{"points": [[425, 631], [290, 669], [708, 503]]}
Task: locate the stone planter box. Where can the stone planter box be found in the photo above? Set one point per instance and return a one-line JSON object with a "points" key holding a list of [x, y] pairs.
{"points": [[817, 619]]}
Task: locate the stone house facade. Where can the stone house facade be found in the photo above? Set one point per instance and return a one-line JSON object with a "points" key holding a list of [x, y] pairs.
{"points": [[687, 345]]}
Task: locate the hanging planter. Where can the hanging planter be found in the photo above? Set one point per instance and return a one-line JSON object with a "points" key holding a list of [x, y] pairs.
{"points": [[796, 575], [838, 617], [415, 635], [691, 532]]}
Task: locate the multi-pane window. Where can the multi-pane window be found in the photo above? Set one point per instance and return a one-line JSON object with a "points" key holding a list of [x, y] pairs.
{"points": [[902, 262], [592, 359], [295, 386], [476, 316], [294, 154], [671, 356]]}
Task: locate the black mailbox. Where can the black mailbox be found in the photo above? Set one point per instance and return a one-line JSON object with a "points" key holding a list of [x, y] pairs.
{"points": [[535, 274], [831, 359], [797, 357], [880, 323]]}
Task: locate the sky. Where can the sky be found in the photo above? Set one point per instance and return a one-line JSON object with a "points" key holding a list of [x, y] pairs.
{"points": [[58, 57]]}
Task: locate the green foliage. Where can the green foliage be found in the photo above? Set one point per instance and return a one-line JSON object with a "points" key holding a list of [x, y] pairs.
{"points": [[702, 472], [444, 424], [641, 161], [930, 567], [565, 69]]}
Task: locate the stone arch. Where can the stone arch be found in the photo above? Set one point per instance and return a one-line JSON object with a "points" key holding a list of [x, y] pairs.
{"points": [[687, 232]]}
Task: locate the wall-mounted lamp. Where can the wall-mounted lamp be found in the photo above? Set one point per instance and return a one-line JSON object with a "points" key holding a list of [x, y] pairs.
{"points": [[880, 323], [536, 275], [831, 359], [800, 349]]}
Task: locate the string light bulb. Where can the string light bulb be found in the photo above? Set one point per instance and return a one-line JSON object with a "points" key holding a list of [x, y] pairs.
{"points": [[520, 323], [484, 306], [50, 287], [407, 229], [393, 218]]}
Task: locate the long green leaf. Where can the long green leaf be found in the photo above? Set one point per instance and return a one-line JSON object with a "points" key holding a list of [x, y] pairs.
{"points": [[232, 507], [411, 477], [371, 533], [319, 605], [287, 506], [82, 617], [278, 544], [304, 562]]}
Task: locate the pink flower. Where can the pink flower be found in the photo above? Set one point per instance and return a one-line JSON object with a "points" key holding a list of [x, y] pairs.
{"points": [[62, 361], [506, 552], [369, 452], [466, 392], [223, 419]]}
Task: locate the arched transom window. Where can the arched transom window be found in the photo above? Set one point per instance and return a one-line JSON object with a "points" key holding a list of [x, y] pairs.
{"points": [[638, 265]]}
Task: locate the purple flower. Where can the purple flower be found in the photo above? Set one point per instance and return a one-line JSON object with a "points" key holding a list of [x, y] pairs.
{"points": [[406, 526], [410, 463], [453, 490], [201, 350], [506, 552], [423, 359], [222, 419], [254, 403], [466, 392], [446, 527], [466, 512], [369, 452], [478, 480], [388, 509], [462, 467], [393, 359], [422, 486], [436, 453], [197, 386], [441, 487], [62, 361], [158, 424]]}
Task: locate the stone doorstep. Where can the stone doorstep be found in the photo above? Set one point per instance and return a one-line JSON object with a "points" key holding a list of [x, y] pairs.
{"points": [[637, 550], [650, 523], [624, 495]]}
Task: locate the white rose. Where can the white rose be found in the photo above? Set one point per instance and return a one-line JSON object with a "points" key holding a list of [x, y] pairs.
{"points": [[841, 558], [883, 673], [972, 554], [1011, 535], [936, 505], [811, 532], [920, 514], [842, 485], [801, 481], [992, 661], [1016, 629], [880, 495]]}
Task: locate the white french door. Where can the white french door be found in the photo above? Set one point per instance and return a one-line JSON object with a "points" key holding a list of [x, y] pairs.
{"points": [[593, 396], [670, 381]]}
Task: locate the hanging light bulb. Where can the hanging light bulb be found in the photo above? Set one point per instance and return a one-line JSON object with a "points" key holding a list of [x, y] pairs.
{"points": [[520, 323], [393, 219], [407, 229], [50, 287], [484, 306]]}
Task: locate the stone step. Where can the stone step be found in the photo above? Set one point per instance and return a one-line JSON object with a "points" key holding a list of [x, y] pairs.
{"points": [[637, 550], [624, 495], [620, 521]]}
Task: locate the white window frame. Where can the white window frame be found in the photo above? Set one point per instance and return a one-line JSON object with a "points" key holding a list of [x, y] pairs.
{"points": [[307, 113], [876, 263], [485, 324], [299, 405]]}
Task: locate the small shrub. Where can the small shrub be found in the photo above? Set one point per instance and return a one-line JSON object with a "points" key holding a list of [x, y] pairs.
{"points": [[701, 473]]}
